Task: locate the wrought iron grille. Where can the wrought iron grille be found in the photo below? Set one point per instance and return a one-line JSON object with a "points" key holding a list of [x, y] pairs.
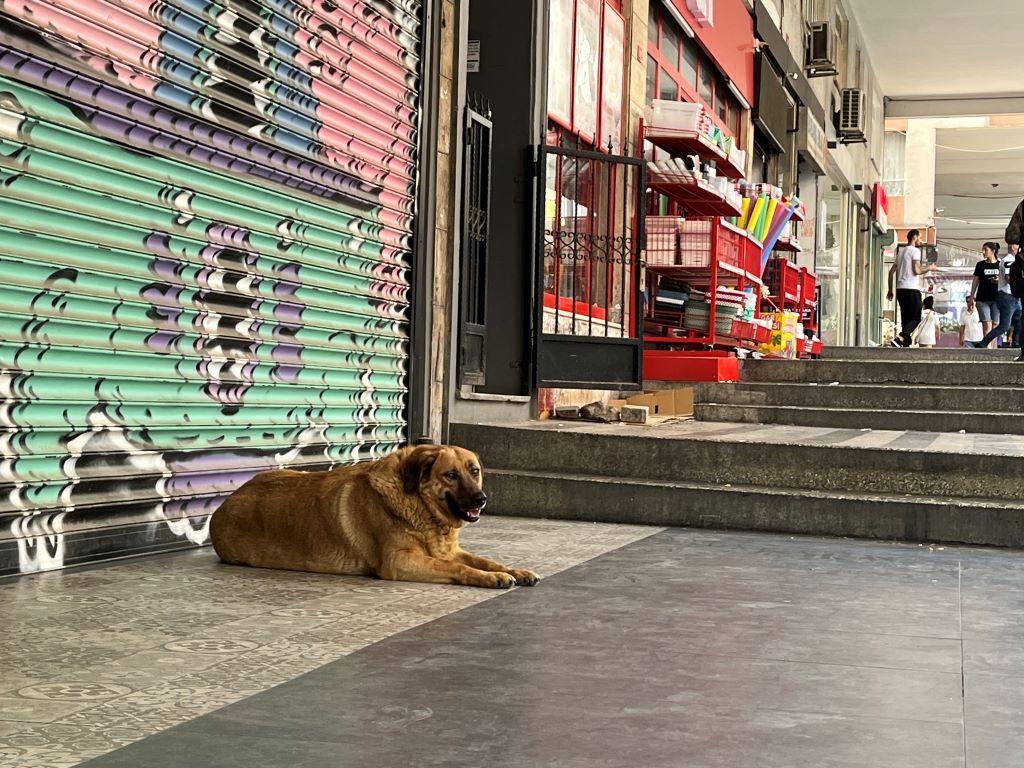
{"points": [[590, 244], [589, 241]]}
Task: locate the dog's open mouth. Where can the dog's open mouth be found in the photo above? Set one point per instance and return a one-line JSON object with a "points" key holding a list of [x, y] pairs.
{"points": [[469, 514]]}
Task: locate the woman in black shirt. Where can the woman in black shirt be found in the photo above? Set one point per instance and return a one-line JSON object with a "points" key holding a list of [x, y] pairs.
{"points": [[985, 286]]}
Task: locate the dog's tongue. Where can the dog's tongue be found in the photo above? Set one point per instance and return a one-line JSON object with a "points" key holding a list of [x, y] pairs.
{"points": [[473, 514]]}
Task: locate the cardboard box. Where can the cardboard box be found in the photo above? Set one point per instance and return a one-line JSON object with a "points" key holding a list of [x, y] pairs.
{"points": [[683, 401], [666, 402]]}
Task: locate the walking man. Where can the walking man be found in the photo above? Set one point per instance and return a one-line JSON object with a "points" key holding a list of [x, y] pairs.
{"points": [[907, 270]]}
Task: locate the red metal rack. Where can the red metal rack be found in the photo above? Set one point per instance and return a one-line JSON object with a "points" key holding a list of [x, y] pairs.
{"points": [[794, 289], [720, 255], [789, 244], [680, 143], [783, 279], [696, 196], [705, 252]]}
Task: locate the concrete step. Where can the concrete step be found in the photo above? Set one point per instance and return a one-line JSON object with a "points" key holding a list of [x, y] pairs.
{"points": [[755, 507], [989, 423], [895, 397], [794, 458], [916, 354], [980, 373]]}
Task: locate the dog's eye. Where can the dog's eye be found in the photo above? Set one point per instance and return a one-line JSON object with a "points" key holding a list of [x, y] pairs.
{"points": [[452, 475], [474, 471]]}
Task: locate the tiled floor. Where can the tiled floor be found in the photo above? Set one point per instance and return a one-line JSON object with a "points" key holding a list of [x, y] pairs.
{"points": [[659, 649], [684, 648], [91, 660]]}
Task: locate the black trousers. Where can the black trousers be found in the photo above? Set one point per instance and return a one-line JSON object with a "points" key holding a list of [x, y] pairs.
{"points": [[909, 300]]}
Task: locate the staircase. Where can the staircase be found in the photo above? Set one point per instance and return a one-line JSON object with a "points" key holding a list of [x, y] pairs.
{"points": [[934, 390], [867, 447]]}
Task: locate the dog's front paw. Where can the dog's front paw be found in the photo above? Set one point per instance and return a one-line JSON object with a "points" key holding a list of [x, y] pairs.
{"points": [[524, 578], [498, 580]]}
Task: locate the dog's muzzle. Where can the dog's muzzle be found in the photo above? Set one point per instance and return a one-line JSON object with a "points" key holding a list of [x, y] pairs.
{"points": [[470, 513]]}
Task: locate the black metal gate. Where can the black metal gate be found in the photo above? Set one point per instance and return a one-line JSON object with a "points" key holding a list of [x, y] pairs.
{"points": [[476, 204], [588, 304]]}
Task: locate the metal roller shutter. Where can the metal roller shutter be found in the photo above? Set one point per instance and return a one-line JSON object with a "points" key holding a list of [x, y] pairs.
{"points": [[206, 214]]}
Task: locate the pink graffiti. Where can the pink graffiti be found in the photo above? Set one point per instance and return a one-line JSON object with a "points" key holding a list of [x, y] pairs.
{"points": [[104, 43]]}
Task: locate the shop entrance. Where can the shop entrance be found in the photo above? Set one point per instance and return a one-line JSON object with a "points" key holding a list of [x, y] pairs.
{"points": [[588, 298]]}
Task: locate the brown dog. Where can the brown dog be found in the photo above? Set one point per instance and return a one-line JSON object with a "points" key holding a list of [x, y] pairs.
{"points": [[396, 518]]}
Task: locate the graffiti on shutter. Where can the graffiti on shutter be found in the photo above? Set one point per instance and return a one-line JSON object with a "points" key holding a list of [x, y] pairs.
{"points": [[206, 214]]}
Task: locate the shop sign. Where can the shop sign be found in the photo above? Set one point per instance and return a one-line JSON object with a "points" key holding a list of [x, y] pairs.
{"points": [[812, 141], [880, 208], [703, 10]]}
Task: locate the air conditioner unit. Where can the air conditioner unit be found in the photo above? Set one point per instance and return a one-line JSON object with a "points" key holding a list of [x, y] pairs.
{"points": [[821, 50], [851, 117]]}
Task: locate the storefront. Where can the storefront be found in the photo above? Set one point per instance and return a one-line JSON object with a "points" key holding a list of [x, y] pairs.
{"points": [[833, 262], [209, 218], [590, 238], [720, 224]]}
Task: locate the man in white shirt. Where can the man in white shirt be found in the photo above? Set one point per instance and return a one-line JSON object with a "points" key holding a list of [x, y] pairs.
{"points": [[971, 331], [907, 270]]}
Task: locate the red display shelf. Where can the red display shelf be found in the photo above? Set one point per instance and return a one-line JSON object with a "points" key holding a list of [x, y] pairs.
{"points": [[738, 339], [692, 143], [784, 281], [808, 286], [669, 365], [701, 276], [697, 197], [789, 244]]}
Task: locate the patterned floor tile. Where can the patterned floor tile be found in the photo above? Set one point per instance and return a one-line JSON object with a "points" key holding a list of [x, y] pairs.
{"points": [[21, 709], [8, 727]]}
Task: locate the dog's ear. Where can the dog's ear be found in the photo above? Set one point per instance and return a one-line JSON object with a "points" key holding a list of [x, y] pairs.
{"points": [[417, 465]]}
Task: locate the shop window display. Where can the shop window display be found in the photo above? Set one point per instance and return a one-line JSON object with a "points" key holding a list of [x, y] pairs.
{"points": [[585, 197], [586, 71]]}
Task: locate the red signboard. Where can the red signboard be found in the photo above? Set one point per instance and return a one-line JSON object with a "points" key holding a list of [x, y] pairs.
{"points": [[729, 39]]}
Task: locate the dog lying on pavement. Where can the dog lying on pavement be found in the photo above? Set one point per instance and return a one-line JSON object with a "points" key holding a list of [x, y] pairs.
{"points": [[396, 518]]}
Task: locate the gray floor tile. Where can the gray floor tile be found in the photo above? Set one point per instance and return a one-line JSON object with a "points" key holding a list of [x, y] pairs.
{"points": [[993, 657], [994, 701], [517, 737], [994, 746]]}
